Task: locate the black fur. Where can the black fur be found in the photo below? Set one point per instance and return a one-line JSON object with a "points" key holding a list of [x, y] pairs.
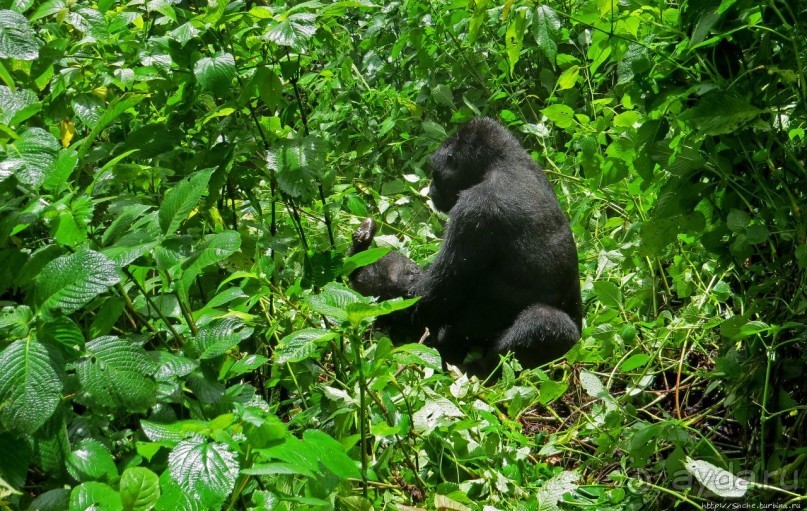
{"points": [[505, 278]]}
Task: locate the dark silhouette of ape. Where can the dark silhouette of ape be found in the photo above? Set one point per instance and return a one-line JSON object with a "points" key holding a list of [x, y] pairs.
{"points": [[505, 278]]}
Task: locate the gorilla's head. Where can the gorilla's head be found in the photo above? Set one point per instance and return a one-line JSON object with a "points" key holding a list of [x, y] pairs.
{"points": [[464, 159]]}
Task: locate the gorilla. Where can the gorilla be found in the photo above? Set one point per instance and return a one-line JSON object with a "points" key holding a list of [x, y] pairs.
{"points": [[505, 278]]}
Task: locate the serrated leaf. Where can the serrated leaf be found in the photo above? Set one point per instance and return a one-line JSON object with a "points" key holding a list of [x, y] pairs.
{"points": [[17, 38], [94, 495], [244, 365], [333, 301], [115, 109], [215, 248], [718, 114], [546, 29], [172, 432], [719, 481], [139, 489], [117, 373], [358, 311], [561, 115], [31, 157], [551, 493], [331, 454], [294, 31], [69, 282], [29, 386], [302, 344], [17, 106], [204, 470], [181, 199], [217, 338], [298, 165], [91, 461], [418, 354], [608, 293], [215, 73]]}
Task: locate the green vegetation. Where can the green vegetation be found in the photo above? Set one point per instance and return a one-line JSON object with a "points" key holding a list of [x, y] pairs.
{"points": [[178, 185]]}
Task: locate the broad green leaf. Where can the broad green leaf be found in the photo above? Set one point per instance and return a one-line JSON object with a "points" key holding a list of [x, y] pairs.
{"points": [[215, 248], [546, 30], [634, 362], [17, 106], [720, 481], [31, 157], [418, 354], [298, 165], [362, 310], [363, 258], [718, 114], [270, 88], [203, 469], [123, 222], [299, 457], [219, 337], [242, 366], [551, 390], [294, 31], [17, 38], [514, 38], [91, 461], [181, 199], [302, 344], [568, 78], [52, 500], [333, 300], [69, 282], [331, 454], [94, 495], [608, 294], [29, 386], [173, 432], [139, 489], [117, 373], [215, 73], [627, 119], [561, 115], [116, 108], [15, 322]]}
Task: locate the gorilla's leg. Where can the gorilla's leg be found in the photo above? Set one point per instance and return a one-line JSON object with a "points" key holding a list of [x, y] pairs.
{"points": [[541, 333]]}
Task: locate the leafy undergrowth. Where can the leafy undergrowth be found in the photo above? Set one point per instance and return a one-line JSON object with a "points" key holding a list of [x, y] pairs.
{"points": [[178, 185]]}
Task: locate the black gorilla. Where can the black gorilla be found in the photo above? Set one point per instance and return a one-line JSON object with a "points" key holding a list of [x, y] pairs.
{"points": [[505, 278]]}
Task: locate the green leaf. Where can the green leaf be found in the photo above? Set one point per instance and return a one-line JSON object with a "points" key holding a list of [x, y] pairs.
{"points": [[29, 386], [16, 107], [205, 470], [243, 365], [608, 293], [568, 78], [298, 165], [718, 114], [550, 495], [551, 390], [139, 489], [69, 282], [333, 300], [31, 157], [217, 338], [294, 31], [116, 108], [17, 38], [94, 495], [91, 461], [561, 115], [514, 39], [362, 310], [331, 454], [215, 248], [363, 258], [116, 373], [419, 355], [215, 73], [173, 432], [546, 30], [634, 362], [181, 199], [302, 344]]}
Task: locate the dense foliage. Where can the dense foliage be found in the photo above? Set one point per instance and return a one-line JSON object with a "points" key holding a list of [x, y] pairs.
{"points": [[178, 183]]}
